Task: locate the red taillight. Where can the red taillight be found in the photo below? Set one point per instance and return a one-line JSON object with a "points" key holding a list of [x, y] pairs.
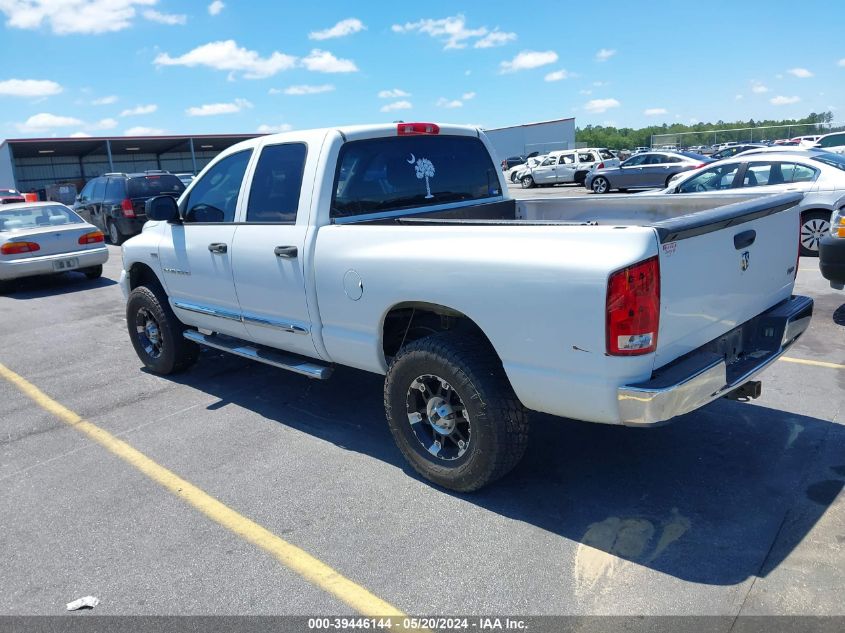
{"points": [[15, 248], [699, 166], [633, 309], [126, 207], [92, 238], [600, 166], [413, 129]]}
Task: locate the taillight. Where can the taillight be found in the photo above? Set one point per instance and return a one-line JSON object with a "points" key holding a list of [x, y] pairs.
{"points": [[15, 248], [413, 129], [127, 208], [633, 309], [699, 166], [92, 238], [600, 166]]}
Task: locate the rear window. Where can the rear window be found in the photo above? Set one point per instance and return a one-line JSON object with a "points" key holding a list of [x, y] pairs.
{"points": [[37, 217], [605, 155], [833, 160], [389, 174], [144, 186]]}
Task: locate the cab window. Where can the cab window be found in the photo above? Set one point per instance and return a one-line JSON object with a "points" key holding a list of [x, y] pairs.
{"points": [[548, 161], [214, 197], [276, 185]]}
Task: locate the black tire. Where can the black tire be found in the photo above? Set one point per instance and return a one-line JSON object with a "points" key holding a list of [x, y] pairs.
{"points": [[814, 224], [115, 236], [169, 352], [668, 180], [527, 182], [495, 424], [600, 184], [623, 191], [95, 272], [514, 178], [5, 287]]}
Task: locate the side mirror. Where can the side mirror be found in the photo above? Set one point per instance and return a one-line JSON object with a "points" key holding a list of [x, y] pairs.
{"points": [[162, 208]]}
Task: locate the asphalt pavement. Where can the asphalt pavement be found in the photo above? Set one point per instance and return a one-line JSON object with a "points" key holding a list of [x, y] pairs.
{"points": [[734, 509]]}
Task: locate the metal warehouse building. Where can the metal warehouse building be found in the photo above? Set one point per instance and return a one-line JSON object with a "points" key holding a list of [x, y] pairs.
{"points": [[34, 165], [544, 136]]}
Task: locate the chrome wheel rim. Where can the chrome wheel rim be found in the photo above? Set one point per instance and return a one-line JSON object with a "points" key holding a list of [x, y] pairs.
{"points": [[599, 185], [812, 231], [527, 182], [149, 332], [113, 235], [438, 417]]}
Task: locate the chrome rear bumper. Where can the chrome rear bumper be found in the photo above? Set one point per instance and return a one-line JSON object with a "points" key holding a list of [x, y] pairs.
{"points": [[704, 375]]}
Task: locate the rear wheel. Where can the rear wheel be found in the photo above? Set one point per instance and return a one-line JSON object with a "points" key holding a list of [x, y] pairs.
{"points": [[814, 226], [156, 333], [527, 182], [95, 272], [600, 185], [452, 411], [514, 177], [115, 236]]}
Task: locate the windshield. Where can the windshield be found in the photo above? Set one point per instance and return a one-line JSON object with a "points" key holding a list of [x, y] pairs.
{"points": [[388, 174], [36, 217], [8, 192], [834, 160]]}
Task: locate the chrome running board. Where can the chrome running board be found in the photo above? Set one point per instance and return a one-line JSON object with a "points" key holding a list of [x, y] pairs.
{"points": [[266, 355]]}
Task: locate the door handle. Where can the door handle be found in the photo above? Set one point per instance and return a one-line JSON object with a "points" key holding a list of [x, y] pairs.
{"points": [[744, 239], [218, 247], [287, 252]]}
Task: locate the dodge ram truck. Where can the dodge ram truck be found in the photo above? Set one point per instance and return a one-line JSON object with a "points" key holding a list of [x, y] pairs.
{"points": [[395, 249]]}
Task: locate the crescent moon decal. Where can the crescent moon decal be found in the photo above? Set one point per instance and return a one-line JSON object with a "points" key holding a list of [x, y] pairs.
{"points": [[413, 160]]}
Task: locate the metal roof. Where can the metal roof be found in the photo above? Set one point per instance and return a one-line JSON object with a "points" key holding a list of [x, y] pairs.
{"points": [[34, 147]]}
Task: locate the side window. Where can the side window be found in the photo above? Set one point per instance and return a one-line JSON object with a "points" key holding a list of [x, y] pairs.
{"points": [[85, 194], [98, 190], [762, 174], [634, 161], [713, 179], [671, 159], [548, 161], [215, 195], [586, 157], [605, 154], [115, 190], [655, 159], [276, 185], [798, 173]]}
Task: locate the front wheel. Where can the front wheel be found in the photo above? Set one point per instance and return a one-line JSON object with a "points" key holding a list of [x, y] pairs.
{"points": [[814, 226], [452, 411], [515, 177], [600, 185], [156, 333], [527, 182]]}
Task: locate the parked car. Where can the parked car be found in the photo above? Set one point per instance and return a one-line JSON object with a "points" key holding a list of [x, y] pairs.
{"points": [[513, 161], [517, 171], [819, 176], [567, 166], [43, 238], [733, 150], [832, 249], [11, 196], [649, 170], [186, 178], [395, 249], [115, 202], [834, 143], [806, 141]]}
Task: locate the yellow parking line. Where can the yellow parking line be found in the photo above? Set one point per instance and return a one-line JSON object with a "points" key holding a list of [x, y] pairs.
{"points": [[816, 363], [294, 558]]}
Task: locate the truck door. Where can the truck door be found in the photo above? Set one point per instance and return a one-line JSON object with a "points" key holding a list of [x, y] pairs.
{"points": [[196, 256], [269, 252]]}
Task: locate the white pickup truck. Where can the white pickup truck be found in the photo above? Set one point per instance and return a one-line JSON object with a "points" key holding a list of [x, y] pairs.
{"points": [[394, 249]]}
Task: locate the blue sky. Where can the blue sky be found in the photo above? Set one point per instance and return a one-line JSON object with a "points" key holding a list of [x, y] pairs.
{"points": [[111, 67]]}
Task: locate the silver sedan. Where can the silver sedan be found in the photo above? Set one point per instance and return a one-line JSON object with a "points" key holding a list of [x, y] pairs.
{"points": [[648, 170]]}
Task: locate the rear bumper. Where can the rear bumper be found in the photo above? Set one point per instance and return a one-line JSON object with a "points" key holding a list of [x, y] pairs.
{"points": [[129, 226], [704, 375], [832, 259], [34, 266]]}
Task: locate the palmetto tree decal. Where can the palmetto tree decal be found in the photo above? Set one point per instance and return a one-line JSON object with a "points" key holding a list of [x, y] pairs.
{"points": [[425, 169]]}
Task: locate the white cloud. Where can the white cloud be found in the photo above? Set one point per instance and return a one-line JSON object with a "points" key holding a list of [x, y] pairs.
{"points": [[604, 54], [141, 109], [452, 31], [801, 73], [227, 55], [557, 75], [341, 29], [215, 7], [393, 94], [739, 97], [305, 90], [110, 99], [274, 129], [758, 88], [171, 19], [44, 122], [467, 96], [72, 16], [212, 109], [841, 62], [601, 105], [104, 124], [655, 111], [781, 100], [527, 60], [601, 84], [397, 105], [140, 130], [80, 134], [324, 62], [443, 102], [495, 38], [29, 88]]}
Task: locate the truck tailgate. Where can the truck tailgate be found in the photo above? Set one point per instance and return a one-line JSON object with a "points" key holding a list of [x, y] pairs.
{"points": [[721, 268]]}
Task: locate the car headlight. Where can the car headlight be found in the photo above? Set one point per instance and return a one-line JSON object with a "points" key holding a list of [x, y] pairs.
{"points": [[837, 223]]}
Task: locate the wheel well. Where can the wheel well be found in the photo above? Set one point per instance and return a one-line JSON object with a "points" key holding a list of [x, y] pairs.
{"points": [[410, 321], [807, 212], [142, 275]]}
